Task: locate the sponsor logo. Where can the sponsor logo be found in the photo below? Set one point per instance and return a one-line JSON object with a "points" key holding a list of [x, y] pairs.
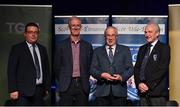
{"points": [[86, 29], [136, 28]]}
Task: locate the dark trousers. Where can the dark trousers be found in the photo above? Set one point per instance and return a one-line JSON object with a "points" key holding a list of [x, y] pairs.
{"points": [[74, 95], [35, 100], [111, 100], [153, 101]]}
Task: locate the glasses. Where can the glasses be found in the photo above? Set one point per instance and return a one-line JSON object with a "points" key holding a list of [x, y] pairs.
{"points": [[75, 26], [32, 32]]}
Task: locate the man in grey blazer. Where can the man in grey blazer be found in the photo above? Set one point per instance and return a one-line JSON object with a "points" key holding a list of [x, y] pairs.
{"points": [[112, 67]]}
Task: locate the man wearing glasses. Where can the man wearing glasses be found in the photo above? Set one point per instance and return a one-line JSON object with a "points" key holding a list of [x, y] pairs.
{"points": [[28, 70]]}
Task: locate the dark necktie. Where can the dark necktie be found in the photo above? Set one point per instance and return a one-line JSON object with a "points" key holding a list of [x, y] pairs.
{"points": [[36, 63], [144, 62], [110, 54]]}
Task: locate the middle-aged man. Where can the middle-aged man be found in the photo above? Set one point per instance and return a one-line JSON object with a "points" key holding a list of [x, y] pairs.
{"points": [[72, 63], [28, 69], [151, 68], [112, 67]]}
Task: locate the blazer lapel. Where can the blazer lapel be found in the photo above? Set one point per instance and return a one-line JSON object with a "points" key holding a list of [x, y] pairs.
{"points": [[68, 51], [105, 54], [41, 53], [154, 53], [82, 50], [155, 47], [116, 53], [28, 53], [143, 52]]}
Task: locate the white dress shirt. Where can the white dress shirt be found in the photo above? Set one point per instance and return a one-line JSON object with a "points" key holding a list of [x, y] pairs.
{"points": [[40, 80], [113, 48]]}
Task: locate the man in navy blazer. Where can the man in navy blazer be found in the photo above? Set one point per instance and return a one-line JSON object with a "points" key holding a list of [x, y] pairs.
{"points": [[23, 84], [152, 78], [111, 73], [72, 64]]}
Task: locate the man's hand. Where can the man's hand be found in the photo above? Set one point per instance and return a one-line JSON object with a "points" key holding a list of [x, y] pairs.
{"points": [[46, 93], [143, 87], [14, 95], [107, 76], [117, 77]]}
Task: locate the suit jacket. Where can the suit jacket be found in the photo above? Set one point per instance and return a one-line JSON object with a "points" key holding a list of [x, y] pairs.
{"points": [[63, 64], [122, 64], [156, 70], [21, 70]]}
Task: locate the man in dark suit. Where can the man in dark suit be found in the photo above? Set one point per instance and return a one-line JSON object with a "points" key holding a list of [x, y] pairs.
{"points": [[72, 64], [28, 69], [112, 67], [151, 68]]}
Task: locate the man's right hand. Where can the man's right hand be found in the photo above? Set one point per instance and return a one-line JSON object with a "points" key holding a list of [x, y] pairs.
{"points": [[14, 95], [143, 87]]}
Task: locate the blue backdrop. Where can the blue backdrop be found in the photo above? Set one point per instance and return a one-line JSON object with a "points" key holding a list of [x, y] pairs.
{"points": [[131, 33]]}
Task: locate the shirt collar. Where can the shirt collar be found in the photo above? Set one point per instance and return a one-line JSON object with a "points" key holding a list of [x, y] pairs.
{"points": [[154, 43], [75, 42], [29, 45], [113, 47]]}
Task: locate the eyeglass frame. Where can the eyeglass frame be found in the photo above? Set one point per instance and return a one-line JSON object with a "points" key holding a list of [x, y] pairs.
{"points": [[32, 32]]}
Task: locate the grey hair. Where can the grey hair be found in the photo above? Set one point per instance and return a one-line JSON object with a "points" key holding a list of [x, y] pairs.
{"points": [[116, 30]]}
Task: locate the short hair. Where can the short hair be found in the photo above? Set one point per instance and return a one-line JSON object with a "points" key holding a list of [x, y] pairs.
{"points": [[116, 30], [156, 26], [72, 18], [31, 24]]}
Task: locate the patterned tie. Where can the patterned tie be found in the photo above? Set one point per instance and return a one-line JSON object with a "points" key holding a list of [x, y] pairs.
{"points": [[144, 62], [36, 62], [110, 54]]}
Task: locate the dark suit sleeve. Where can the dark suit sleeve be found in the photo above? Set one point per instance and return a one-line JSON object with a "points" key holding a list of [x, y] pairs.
{"points": [[137, 68], [58, 57], [163, 68], [47, 72], [95, 69], [128, 66], [91, 54], [89, 49], [11, 70]]}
